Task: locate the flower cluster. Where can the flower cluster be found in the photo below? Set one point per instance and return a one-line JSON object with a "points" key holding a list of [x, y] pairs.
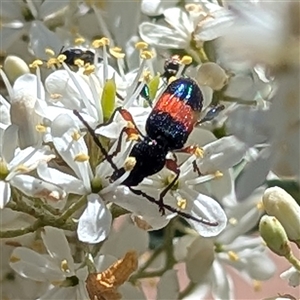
{"points": [[78, 205]]}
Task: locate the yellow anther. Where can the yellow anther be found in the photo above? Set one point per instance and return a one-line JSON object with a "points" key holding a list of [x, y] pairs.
{"points": [[233, 256], [53, 61], [233, 221], [145, 54], [22, 169], [40, 128], [64, 266], [49, 52], [81, 157], [116, 52], [147, 76], [56, 96], [130, 125], [100, 42], [79, 41], [141, 45], [182, 203], [14, 259], [199, 152], [88, 69], [257, 285], [129, 163], [61, 58], [36, 63], [260, 206], [76, 135], [79, 62], [186, 60], [218, 174]]}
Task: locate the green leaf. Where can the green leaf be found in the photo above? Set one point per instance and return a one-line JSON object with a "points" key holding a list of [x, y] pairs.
{"points": [[153, 86]]}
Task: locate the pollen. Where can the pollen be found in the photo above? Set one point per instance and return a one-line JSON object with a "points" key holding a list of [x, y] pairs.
{"points": [[141, 45], [171, 79], [218, 174], [145, 54], [147, 76], [117, 52], [40, 128], [186, 60], [104, 285], [36, 64], [133, 137], [81, 157], [64, 266], [79, 41], [182, 203], [14, 259], [233, 256], [49, 52], [193, 7], [101, 42], [129, 163], [257, 286]]}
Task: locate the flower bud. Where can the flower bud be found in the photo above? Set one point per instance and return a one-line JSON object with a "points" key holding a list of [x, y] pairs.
{"points": [[279, 203], [14, 67], [274, 235]]}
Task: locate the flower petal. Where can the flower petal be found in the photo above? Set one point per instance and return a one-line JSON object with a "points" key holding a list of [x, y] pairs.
{"points": [[168, 286], [5, 193], [95, 222]]}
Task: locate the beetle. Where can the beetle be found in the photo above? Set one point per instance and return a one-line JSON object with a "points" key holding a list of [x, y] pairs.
{"points": [[168, 127]]}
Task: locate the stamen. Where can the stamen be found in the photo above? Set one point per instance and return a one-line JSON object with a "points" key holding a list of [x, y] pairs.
{"points": [[61, 58], [53, 62], [81, 157], [145, 54], [64, 266], [182, 203], [49, 52], [79, 62], [40, 128], [88, 69], [218, 174], [101, 42], [233, 256], [116, 52], [129, 163], [35, 64], [76, 135], [55, 96], [141, 45], [79, 41]]}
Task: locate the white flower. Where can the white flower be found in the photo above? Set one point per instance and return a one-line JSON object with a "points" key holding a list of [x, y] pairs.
{"points": [[198, 23], [57, 268], [292, 276], [206, 259]]}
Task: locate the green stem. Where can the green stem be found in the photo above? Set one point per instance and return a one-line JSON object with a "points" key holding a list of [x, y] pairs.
{"points": [[18, 232], [293, 260], [72, 209]]}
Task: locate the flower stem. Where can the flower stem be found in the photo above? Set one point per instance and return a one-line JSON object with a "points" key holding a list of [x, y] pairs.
{"points": [[293, 260]]}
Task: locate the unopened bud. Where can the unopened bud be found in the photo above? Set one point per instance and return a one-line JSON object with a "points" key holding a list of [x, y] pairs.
{"points": [[14, 67], [274, 235], [279, 203]]}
